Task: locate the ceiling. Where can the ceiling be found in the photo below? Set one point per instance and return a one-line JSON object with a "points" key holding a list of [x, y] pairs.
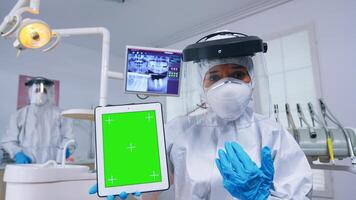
{"points": [[155, 23]]}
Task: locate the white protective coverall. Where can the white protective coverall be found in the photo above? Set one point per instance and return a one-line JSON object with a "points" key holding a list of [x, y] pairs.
{"points": [[193, 145], [39, 131]]}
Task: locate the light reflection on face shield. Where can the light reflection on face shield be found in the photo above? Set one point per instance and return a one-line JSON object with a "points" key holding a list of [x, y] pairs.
{"points": [[40, 88]]}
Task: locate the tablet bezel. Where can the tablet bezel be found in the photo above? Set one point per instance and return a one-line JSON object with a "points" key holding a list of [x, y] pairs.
{"points": [[146, 187]]}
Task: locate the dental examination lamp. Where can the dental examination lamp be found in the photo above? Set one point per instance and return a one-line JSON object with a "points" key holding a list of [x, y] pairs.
{"points": [[33, 34], [36, 34], [29, 33]]}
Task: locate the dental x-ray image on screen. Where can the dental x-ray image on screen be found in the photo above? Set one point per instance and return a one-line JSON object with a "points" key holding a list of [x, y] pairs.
{"points": [[152, 71]]}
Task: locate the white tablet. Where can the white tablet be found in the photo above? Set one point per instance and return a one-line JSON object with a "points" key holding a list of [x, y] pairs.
{"points": [[130, 149]]}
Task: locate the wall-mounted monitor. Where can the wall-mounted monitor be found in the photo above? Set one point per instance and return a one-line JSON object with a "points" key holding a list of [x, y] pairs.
{"points": [[152, 71]]}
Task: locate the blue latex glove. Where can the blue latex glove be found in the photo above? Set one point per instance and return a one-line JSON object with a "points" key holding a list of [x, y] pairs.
{"points": [[122, 195], [68, 153], [241, 176], [21, 158]]}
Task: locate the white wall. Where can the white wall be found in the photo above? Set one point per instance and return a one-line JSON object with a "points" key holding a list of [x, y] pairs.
{"points": [[336, 40], [78, 70]]}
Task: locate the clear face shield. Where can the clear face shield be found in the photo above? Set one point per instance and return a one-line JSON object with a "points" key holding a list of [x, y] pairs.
{"points": [[229, 88], [40, 91]]}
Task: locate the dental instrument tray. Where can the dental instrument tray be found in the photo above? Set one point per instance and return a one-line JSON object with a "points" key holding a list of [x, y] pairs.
{"points": [[317, 148], [130, 149]]}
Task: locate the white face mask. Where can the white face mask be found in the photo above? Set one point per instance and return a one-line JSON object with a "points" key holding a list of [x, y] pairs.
{"points": [[229, 98], [39, 99]]}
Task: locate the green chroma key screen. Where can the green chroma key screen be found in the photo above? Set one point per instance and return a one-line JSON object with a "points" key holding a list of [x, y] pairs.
{"points": [[131, 154]]}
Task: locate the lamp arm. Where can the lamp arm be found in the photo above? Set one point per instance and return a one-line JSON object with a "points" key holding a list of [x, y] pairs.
{"points": [[35, 6], [22, 6], [105, 56], [18, 5]]}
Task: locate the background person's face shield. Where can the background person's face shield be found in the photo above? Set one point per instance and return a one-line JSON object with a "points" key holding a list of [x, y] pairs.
{"points": [[40, 92]]}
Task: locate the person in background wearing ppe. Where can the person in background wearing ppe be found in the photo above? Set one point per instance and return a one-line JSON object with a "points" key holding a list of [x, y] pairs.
{"points": [[37, 132], [224, 150]]}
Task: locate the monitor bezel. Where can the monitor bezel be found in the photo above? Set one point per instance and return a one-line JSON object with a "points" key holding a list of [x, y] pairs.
{"points": [[152, 49]]}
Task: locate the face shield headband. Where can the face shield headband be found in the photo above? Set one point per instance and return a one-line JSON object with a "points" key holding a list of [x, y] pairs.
{"points": [[236, 45]]}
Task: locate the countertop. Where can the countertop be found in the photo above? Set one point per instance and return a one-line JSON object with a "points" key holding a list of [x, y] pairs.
{"points": [[77, 162]]}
